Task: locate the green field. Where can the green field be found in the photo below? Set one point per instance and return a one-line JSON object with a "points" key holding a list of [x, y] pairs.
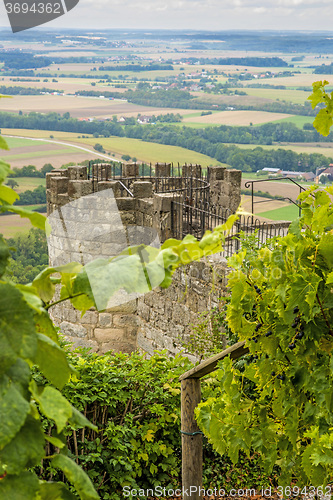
{"points": [[150, 151], [298, 120], [51, 152], [16, 142], [289, 212], [25, 183], [295, 96], [302, 148]]}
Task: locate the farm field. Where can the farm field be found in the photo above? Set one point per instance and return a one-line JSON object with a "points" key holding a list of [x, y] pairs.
{"points": [[80, 107], [34, 152], [13, 224], [242, 117], [118, 146], [308, 148], [150, 151], [270, 209], [289, 212], [295, 96], [25, 183], [302, 79], [276, 188]]}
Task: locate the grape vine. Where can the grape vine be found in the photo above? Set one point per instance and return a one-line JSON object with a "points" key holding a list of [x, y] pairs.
{"points": [[282, 306]]}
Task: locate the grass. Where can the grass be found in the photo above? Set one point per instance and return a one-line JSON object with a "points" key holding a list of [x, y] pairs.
{"points": [[289, 212], [294, 96], [16, 142], [297, 120], [301, 148], [25, 183], [43, 134], [150, 151], [51, 152]]}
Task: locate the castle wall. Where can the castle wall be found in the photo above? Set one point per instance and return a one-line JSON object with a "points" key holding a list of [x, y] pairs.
{"points": [[97, 217]]}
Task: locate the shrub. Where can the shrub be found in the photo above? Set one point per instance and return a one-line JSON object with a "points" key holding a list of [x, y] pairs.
{"points": [[135, 402]]}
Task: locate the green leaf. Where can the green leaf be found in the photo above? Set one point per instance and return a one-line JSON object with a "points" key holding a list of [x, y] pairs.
{"points": [[22, 487], [45, 326], [7, 194], [55, 491], [325, 248], [4, 256], [323, 122], [55, 441], [76, 476], [36, 219], [17, 328], [78, 420], [52, 361], [53, 405], [13, 411], [4, 170], [3, 144], [26, 449]]}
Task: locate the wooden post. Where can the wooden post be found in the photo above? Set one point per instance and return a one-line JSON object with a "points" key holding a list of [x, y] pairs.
{"points": [[191, 444]]}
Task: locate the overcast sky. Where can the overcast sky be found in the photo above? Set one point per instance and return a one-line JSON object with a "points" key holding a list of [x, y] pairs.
{"points": [[194, 14]]}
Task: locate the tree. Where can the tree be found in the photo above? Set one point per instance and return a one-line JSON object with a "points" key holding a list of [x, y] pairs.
{"points": [[12, 183], [46, 168]]}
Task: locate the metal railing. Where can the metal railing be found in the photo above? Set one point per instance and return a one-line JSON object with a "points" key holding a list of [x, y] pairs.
{"points": [[250, 184], [197, 219]]}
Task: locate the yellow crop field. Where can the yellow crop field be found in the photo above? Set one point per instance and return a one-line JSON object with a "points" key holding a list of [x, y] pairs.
{"points": [[150, 151]]}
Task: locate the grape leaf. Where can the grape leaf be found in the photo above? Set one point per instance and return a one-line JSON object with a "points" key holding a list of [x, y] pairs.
{"points": [[76, 476]]}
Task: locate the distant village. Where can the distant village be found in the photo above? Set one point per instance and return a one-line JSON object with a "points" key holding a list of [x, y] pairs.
{"points": [[323, 174]]}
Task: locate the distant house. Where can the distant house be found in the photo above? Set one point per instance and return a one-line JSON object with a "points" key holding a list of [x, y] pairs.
{"points": [[271, 171], [143, 120], [309, 176], [122, 119], [292, 174], [327, 171]]}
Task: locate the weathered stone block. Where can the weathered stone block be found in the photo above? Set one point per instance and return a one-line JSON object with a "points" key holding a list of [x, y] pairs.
{"points": [[78, 189], [77, 172], [105, 320], [142, 189], [126, 204], [130, 170], [162, 169], [89, 317], [59, 185], [109, 334], [73, 330]]}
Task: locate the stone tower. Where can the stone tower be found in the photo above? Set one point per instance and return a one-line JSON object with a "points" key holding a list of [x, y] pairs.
{"points": [[96, 213]]}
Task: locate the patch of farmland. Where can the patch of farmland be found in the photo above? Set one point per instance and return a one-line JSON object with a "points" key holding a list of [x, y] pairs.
{"points": [[150, 151], [302, 79], [78, 107], [324, 148], [276, 188], [294, 96], [10, 225], [241, 117]]}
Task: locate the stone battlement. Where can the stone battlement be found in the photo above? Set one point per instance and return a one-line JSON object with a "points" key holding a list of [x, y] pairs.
{"points": [[98, 212]]}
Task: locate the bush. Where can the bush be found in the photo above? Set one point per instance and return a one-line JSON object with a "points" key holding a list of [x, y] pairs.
{"points": [[135, 402]]}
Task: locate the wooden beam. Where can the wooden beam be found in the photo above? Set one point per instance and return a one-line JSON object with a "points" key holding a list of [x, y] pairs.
{"points": [[191, 444], [208, 366]]}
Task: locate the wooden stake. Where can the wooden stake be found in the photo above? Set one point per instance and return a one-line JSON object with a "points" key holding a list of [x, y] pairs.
{"points": [[191, 444]]}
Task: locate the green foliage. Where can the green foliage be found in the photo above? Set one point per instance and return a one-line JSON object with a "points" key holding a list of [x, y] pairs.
{"points": [[134, 403], [279, 402], [28, 197], [324, 119], [28, 337], [208, 336]]}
